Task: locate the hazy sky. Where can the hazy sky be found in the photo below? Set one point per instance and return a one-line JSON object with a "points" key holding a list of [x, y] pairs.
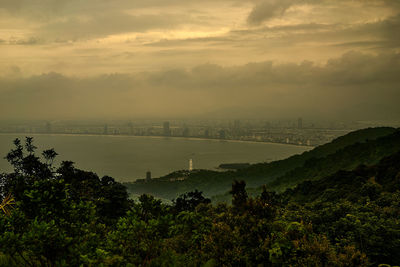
{"points": [[67, 59]]}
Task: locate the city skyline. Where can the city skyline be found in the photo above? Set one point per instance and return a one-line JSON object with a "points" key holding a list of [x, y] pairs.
{"points": [[292, 131]]}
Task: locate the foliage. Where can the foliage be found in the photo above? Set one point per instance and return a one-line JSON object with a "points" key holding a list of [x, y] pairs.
{"points": [[366, 146], [189, 201], [70, 217], [348, 158], [6, 204]]}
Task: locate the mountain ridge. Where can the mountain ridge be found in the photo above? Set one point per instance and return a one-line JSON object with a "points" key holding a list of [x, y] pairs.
{"points": [[213, 183]]}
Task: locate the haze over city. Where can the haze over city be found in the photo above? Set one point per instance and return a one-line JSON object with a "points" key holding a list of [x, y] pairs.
{"points": [[159, 59], [200, 133]]}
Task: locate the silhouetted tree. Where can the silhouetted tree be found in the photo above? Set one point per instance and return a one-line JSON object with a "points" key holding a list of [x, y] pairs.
{"points": [[268, 197], [49, 155], [29, 145], [189, 201], [16, 155], [149, 207], [239, 194]]}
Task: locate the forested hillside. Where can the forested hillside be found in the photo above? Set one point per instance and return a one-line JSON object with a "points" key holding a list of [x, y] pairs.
{"points": [[347, 158], [366, 146], [68, 217]]}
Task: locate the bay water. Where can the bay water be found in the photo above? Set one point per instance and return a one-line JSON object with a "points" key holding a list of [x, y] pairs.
{"points": [[127, 158]]}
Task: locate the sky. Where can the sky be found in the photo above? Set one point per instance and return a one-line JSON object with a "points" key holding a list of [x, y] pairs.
{"points": [[82, 59]]}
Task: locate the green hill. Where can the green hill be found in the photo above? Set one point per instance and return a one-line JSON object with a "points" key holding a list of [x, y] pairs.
{"points": [[347, 158], [214, 183], [363, 181], [358, 207]]}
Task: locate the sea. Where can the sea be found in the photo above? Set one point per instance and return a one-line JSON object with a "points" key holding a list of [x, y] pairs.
{"points": [[127, 158]]}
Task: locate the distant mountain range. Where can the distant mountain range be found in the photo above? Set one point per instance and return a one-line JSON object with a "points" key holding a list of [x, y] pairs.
{"points": [[366, 146]]}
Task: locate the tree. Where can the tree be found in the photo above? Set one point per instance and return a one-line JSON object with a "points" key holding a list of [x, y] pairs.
{"points": [[189, 201], [7, 203], [49, 155], [29, 145], [239, 194], [16, 155]]}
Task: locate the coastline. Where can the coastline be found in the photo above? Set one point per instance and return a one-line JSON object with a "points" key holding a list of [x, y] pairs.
{"points": [[162, 137]]}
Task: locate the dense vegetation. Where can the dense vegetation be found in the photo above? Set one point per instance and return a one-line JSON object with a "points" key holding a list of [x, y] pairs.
{"points": [[365, 146], [347, 158], [66, 216]]}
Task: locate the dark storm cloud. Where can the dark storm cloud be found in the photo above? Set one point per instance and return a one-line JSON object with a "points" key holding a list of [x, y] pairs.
{"points": [[91, 37], [60, 20], [387, 29], [379, 35], [265, 10], [358, 85], [268, 9]]}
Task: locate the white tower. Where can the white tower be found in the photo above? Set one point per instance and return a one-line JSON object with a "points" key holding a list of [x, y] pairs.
{"points": [[190, 165]]}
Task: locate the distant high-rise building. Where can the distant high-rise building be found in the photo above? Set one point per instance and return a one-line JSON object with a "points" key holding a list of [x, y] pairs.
{"points": [[222, 134], [236, 124], [150, 131], [185, 132], [148, 176], [207, 133], [105, 129], [300, 123], [130, 126], [167, 130], [48, 127], [236, 128]]}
